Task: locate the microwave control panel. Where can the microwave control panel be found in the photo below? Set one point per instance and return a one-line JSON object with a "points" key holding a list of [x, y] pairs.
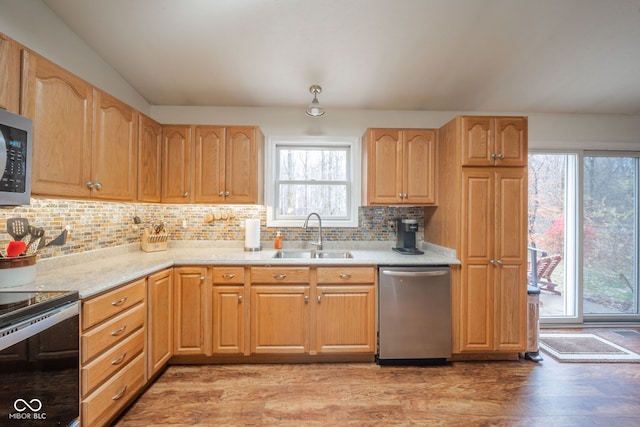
{"points": [[13, 160]]}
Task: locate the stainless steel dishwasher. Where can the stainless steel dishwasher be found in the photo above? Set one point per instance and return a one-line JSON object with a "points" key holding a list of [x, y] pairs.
{"points": [[414, 315]]}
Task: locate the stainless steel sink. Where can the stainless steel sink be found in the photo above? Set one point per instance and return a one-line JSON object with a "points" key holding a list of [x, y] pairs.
{"points": [[312, 254]]}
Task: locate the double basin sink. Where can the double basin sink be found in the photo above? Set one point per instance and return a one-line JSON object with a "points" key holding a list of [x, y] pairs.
{"points": [[312, 254]]}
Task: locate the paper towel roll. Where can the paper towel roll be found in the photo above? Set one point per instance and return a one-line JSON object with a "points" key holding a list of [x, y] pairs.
{"points": [[252, 235]]}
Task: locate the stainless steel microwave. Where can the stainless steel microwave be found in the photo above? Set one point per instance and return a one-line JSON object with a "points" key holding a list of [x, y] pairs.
{"points": [[15, 159]]}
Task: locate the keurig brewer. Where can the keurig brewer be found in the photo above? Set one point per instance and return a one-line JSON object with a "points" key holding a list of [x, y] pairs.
{"points": [[406, 237]]}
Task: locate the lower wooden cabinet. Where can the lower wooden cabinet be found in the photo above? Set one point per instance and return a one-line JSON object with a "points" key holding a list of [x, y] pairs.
{"points": [[191, 311], [159, 320]]}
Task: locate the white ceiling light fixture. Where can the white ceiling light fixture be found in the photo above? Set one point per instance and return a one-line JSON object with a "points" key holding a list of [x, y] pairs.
{"points": [[315, 109]]}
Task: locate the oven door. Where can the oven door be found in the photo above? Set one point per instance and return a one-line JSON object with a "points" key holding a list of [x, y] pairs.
{"points": [[39, 369]]}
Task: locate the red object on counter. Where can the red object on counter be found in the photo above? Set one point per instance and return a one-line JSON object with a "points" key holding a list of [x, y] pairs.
{"points": [[15, 248]]}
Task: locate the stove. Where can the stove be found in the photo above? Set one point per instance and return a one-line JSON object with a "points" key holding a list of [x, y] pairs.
{"points": [[15, 306]]}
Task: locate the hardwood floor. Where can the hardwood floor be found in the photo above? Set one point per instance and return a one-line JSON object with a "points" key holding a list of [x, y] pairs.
{"points": [[515, 393]]}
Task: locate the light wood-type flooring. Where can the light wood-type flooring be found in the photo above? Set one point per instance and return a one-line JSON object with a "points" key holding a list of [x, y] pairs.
{"points": [[514, 393]]}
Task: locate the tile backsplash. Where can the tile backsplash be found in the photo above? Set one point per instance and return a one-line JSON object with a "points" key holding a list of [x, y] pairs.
{"points": [[97, 225]]}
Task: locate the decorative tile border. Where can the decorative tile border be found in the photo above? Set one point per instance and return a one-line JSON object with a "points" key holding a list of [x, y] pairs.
{"points": [[98, 225]]}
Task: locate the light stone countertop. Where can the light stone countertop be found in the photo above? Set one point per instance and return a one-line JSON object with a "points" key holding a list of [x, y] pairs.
{"points": [[94, 272]]}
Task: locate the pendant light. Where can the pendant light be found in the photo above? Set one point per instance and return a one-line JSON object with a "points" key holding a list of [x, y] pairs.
{"points": [[315, 109]]}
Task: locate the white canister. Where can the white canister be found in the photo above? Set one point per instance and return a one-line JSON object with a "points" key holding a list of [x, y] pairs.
{"points": [[17, 271]]}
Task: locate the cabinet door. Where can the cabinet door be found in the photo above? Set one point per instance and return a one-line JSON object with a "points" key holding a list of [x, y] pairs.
{"points": [[346, 319], [159, 321], [476, 291], [191, 322], [228, 319], [511, 257], [419, 178], [114, 151], [209, 164], [9, 74], [384, 166], [242, 165], [280, 319], [60, 105], [477, 141], [176, 164], [149, 160], [511, 141]]}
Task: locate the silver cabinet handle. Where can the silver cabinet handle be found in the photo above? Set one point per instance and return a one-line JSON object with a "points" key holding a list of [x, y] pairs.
{"points": [[493, 155], [227, 193], [119, 359], [501, 156], [119, 302], [306, 298], [240, 298], [499, 262], [118, 331], [202, 278], [97, 186], [90, 184], [117, 396], [415, 273], [319, 298], [185, 194], [228, 276], [279, 276], [221, 193], [344, 276], [405, 195]]}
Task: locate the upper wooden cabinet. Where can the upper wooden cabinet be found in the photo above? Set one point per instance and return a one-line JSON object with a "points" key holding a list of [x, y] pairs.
{"points": [[61, 107], [399, 167], [213, 164], [85, 141], [494, 141], [149, 160], [176, 164], [9, 74], [114, 149]]}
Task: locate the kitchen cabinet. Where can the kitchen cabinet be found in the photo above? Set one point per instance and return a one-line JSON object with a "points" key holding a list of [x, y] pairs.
{"points": [[399, 167], [114, 149], [280, 311], [494, 141], [346, 304], [61, 107], [483, 216], [191, 311], [159, 320], [112, 348], [85, 141], [229, 310], [149, 160], [9, 74], [176, 164]]}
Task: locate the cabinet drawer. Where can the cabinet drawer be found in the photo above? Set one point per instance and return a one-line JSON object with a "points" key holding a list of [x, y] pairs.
{"points": [[96, 310], [98, 339], [280, 275], [228, 275], [111, 361], [113, 395], [346, 274]]}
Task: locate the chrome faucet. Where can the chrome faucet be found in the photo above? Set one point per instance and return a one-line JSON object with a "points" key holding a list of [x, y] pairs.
{"points": [[317, 244]]}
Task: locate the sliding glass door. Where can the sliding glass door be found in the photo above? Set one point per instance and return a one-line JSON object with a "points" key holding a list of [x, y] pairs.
{"points": [[583, 235], [610, 236]]}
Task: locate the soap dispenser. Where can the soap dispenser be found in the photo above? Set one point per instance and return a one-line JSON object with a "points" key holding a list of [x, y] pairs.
{"points": [[277, 243]]}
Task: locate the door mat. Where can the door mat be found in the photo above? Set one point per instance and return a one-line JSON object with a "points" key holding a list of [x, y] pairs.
{"points": [[585, 348]]}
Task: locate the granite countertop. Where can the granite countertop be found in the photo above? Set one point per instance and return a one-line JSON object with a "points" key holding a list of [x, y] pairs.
{"points": [[94, 272]]}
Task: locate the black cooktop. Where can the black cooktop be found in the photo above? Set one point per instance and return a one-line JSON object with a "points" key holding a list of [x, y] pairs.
{"points": [[15, 306]]}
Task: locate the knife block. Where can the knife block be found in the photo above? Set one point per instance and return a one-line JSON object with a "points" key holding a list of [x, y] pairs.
{"points": [[154, 242]]}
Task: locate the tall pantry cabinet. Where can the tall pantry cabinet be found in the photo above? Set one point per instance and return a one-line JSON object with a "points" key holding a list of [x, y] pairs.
{"points": [[482, 214]]}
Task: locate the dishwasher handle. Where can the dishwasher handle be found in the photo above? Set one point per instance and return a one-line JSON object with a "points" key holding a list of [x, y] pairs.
{"points": [[433, 273]]}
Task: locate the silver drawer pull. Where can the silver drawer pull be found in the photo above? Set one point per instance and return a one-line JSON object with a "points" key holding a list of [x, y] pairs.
{"points": [[228, 276], [345, 276], [118, 396], [119, 302], [279, 276], [119, 359], [119, 331]]}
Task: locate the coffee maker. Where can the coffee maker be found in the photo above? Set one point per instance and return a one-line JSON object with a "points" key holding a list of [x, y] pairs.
{"points": [[406, 237]]}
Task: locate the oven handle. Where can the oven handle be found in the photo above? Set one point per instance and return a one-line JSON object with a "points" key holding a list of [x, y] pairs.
{"points": [[433, 273], [13, 334]]}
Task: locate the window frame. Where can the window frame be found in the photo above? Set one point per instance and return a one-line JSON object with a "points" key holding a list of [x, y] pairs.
{"points": [[353, 177]]}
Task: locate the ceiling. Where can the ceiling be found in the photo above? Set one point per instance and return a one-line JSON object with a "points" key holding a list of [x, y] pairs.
{"points": [[569, 56]]}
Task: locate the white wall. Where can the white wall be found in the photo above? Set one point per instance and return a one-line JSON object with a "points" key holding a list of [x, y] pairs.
{"points": [[32, 23]]}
